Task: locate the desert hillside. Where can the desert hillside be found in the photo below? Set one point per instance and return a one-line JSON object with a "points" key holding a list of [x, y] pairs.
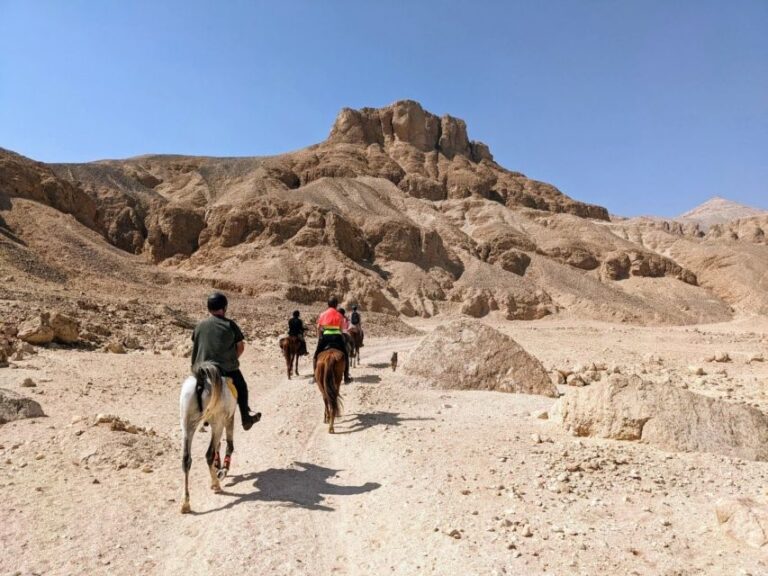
{"points": [[719, 210], [397, 210]]}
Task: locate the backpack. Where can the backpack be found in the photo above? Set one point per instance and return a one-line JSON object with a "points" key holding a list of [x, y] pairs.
{"points": [[355, 319]]}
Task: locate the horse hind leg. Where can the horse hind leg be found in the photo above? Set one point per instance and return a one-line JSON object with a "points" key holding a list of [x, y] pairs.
{"points": [[222, 472], [186, 464], [210, 455]]}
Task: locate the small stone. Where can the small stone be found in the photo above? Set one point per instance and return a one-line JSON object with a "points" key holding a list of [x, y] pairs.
{"points": [[527, 533], [455, 534], [722, 357], [536, 438], [39, 456], [28, 383], [115, 347], [147, 469]]}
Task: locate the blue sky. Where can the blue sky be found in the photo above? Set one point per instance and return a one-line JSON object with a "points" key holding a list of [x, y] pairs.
{"points": [[642, 106]]}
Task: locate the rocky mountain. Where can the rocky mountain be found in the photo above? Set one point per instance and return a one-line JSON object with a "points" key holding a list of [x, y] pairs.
{"points": [[397, 210], [719, 210]]}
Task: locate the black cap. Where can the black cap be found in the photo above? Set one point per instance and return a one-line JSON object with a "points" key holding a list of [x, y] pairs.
{"points": [[354, 307], [333, 302], [342, 310], [295, 313], [217, 301]]}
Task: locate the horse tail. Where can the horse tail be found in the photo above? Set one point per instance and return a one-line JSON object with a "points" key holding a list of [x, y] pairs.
{"points": [[209, 371], [331, 387]]}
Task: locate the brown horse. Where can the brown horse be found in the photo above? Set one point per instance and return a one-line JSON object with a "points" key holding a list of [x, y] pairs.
{"points": [[329, 374], [355, 340], [291, 347]]}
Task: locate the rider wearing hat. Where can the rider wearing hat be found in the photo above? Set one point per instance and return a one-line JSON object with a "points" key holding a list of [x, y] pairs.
{"points": [[329, 334], [219, 340]]}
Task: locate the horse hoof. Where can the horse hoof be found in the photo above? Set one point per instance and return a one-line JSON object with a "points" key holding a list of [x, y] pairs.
{"points": [[216, 489], [186, 508]]}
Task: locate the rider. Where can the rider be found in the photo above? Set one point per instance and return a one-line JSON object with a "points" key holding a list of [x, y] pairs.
{"points": [[329, 335], [345, 322], [356, 320], [296, 328], [219, 340]]}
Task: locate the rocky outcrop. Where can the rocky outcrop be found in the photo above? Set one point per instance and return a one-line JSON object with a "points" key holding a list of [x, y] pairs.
{"points": [[619, 265], [46, 327], [37, 330], [629, 408], [437, 158], [754, 230], [14, 406], [472, 356], [21, 177], [173, 230], [65, 329]]}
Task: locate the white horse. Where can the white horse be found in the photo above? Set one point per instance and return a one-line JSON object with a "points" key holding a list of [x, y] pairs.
{"points": [[205, 397]]}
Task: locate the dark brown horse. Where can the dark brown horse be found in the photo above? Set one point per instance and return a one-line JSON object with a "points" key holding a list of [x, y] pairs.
{"points": [[329, 374], [355, 341], [291, 347]]}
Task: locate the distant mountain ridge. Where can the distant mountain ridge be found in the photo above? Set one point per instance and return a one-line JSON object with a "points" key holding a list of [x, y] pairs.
{"points": [[719, 210]]}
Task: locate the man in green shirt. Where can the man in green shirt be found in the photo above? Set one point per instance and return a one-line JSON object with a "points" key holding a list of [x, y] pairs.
{"points": [[218, 339]]}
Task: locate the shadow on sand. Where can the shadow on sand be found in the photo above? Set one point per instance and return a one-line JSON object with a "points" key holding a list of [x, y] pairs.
{"points": [[303, 485], [362, 422], [367, 379], [380, 365]]}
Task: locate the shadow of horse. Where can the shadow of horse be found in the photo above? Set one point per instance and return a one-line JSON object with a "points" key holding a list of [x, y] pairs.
{"points": [[303, 486], [368, 379], [364, 421], [379, 365]]}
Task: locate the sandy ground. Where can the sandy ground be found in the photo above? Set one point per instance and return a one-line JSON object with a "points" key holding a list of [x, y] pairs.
{"points": [[415, 481]]}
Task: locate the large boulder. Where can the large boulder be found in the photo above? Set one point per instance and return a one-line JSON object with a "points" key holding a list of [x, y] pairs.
{"points": [[14, 406], [472, 356], [744, 520], [65, 329], [629, 408], [37, 330]]}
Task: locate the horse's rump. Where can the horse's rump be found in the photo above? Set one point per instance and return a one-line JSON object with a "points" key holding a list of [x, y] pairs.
{"points": [[356, 335], [328, 375]]}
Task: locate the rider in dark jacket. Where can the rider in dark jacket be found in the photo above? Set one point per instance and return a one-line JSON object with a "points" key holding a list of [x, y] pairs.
{"points": [[296, 328]]}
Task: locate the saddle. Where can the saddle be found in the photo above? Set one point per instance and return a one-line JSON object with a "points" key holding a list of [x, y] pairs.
{"points": [[335, 345]]}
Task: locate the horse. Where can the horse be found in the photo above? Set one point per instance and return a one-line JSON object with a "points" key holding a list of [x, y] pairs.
{"points": [[393, 361], [291, 347], [329, 373], [206, 398], [355, 340]]}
